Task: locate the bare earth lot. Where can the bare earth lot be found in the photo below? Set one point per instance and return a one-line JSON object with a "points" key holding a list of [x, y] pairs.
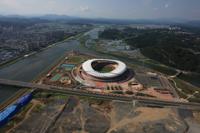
{"points": [[75, 115]]}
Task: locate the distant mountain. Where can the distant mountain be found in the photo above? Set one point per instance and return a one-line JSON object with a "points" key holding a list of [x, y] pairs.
{"points": [[57, 17], [195, 23], [19, 21], [73, 19], [11, 16]]}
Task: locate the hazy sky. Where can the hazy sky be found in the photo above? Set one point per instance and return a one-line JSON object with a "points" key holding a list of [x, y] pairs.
{"points": [[127, 9]]}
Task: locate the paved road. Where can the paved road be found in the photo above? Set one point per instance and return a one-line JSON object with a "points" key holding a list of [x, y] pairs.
{"points": [[146, 101]]}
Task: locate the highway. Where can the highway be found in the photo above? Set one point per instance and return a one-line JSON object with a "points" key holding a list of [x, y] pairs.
{"points": [[146, 101]]}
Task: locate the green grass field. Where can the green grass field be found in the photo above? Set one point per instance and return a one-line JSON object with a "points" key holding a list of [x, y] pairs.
{"points": [[56, 77], [75, 59], [105, 69]]}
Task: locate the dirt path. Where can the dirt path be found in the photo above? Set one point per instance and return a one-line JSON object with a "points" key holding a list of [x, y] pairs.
{"points": [[82, 118], [34, 104]]}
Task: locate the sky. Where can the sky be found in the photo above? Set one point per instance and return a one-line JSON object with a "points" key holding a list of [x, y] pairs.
{"points": [[122, 9]]}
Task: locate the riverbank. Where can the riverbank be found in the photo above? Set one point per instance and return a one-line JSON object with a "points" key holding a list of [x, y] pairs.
{"points": [[14, 60], [32, 67]]}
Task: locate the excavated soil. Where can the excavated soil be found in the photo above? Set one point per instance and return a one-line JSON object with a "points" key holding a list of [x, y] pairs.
{"points": [[92, 116]]}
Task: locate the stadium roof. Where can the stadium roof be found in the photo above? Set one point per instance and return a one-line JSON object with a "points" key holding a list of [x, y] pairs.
{"points": [[120, 69]]}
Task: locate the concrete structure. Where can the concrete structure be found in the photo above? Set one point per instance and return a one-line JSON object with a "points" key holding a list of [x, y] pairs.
{"points": [[118, 68], [104, 74]]}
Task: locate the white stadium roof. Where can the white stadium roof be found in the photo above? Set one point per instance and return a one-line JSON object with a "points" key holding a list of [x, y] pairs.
{"points": [[120, 69]]}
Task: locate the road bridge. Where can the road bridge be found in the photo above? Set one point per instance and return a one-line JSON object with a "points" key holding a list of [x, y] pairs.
{"points": [[72, 91]]}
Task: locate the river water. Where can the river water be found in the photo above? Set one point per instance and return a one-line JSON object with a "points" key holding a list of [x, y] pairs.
{"points": [[30, 67]]}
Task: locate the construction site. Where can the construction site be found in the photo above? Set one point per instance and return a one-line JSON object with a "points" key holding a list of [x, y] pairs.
{"points": [[139, 94], [107, 76]]}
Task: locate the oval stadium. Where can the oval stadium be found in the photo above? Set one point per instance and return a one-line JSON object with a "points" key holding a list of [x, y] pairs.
{"points": [[104, 73], [104, 68]]}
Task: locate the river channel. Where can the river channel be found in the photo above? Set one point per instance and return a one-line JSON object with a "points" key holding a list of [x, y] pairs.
{"points": [[27, 69]]}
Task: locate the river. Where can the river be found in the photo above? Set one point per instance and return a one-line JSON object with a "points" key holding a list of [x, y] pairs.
{"points": [[29, 68]]}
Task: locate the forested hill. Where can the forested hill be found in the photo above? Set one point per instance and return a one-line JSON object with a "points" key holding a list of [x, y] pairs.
{"points": [[179, 48]]}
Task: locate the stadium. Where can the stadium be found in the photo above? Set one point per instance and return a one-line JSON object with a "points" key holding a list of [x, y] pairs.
{"points": [[104, 68], [101, 73]]}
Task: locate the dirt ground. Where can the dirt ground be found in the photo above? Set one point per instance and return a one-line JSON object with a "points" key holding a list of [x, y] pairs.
{"points": [[73, 115], [144, 120], [39, 118]]}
